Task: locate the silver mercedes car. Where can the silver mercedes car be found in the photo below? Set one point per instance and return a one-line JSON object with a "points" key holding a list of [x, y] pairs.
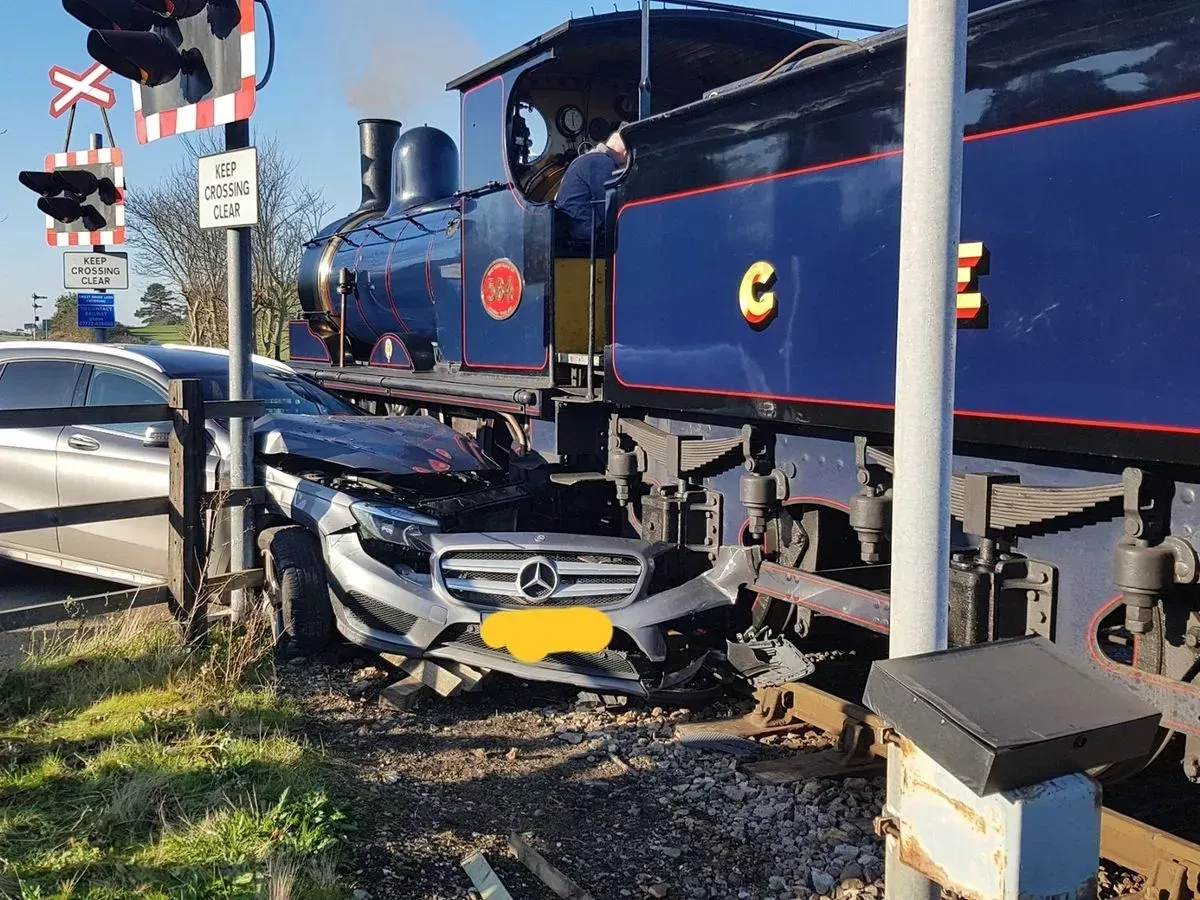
{"points": [[396, 531]]}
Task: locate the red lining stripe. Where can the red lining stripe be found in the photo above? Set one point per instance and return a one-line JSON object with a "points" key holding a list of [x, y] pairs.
{"points": [[387, 284], [463, 227], [308, 327], [378, 348], [861, 404], [357, 300]]}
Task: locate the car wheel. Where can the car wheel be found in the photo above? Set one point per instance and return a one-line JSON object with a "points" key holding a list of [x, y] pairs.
{"points": [[295, 585]]}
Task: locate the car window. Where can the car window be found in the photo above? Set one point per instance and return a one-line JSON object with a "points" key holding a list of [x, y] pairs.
{"points": [[283, 393], [109, 387], [38, 383]]}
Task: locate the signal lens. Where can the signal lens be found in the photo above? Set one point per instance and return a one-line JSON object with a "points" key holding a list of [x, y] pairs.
{"points": [[176, 9], [42, 183], [60, 209], [77, 183]]}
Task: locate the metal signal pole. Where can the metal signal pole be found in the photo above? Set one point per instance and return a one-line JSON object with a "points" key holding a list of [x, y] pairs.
{"points": [[935, 76], [96, 142], [37, 325], [241, 382], [644, 84]]}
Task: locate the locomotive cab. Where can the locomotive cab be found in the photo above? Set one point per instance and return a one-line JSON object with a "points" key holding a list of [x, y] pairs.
{"points": [[458, 259], [566, 92]]}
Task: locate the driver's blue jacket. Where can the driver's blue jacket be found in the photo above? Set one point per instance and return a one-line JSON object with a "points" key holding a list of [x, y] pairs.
{"points": [[582, 184]]}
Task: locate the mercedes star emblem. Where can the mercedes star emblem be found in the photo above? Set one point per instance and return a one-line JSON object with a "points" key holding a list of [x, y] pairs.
{"points": [[537, 579]]}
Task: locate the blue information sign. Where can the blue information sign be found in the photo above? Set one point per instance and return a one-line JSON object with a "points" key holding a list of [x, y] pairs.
{"points": [[97, 310]]}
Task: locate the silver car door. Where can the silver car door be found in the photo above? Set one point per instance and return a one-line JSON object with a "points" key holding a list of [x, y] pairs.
{"points": [[104, 463], [27, 455]]}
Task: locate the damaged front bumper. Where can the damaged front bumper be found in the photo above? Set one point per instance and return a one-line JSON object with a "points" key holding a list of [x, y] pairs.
{"points": [[433, 603], [393, 609]]}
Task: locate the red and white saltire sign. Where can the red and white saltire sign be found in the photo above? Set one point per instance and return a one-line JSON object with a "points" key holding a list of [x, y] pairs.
{"points": [[221, 110], [88, 86]]}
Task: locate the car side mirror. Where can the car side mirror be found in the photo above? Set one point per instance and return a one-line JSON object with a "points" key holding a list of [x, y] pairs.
{"points": [[157, 435]]}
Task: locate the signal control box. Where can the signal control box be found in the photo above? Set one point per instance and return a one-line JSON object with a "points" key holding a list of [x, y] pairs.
{"points": [[1008, 714]]}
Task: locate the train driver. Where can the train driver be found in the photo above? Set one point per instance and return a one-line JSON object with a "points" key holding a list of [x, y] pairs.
{"points": [[583, 185]]}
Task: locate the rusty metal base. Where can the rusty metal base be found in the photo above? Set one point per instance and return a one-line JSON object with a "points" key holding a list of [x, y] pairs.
{"points": [[1170, 864]]}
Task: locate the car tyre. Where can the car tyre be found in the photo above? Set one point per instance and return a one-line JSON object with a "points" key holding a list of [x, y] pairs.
{"points": [[295, 574]]}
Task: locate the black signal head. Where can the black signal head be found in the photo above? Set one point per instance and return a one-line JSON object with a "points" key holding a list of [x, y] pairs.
{"points": [[62, 209], [78, 184], [92, 219], [108, 191], [125, 15], [43, 183], [145, 57], [66, 210]]}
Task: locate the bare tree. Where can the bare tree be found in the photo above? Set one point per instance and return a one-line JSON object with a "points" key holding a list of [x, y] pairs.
{"points": [[165, 233], [290, 212]]}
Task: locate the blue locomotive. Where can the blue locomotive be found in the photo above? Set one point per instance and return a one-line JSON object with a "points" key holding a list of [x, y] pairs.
{"points": [[718, 378]]}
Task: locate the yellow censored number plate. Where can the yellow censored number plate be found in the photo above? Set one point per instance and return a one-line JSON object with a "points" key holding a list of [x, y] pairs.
{"points": [[533, 634]]}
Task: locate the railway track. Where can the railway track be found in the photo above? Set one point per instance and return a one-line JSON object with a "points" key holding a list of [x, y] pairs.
{"points": [[1169, 863]]}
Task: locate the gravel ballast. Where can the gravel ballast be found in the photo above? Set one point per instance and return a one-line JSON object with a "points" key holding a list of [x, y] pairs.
{"points": [[608, 796]]}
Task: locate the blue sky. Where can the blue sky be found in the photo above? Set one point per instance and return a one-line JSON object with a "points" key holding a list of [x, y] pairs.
{"points": [[336, 61]]}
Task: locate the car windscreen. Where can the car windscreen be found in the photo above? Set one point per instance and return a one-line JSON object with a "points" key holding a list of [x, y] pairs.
{"points": [[285, 394]]}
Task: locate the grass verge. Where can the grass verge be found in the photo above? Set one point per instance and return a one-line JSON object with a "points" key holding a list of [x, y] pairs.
{"points": [[131, 765]]}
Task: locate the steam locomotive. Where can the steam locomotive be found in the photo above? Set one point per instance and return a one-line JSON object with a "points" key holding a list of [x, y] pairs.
{"points": [[717, 379]]}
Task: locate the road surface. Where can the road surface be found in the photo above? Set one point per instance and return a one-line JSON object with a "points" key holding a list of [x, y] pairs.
{"points": [[22, 585]]}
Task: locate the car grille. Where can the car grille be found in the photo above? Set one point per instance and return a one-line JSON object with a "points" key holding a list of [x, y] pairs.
{"points": [[488, 578], [606, 663]]}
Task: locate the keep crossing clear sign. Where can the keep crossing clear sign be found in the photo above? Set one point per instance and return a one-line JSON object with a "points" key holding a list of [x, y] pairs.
{"points": [[94, 271], [229, 189], [97, 310]]}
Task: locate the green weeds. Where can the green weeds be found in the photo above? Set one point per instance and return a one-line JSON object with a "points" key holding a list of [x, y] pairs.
{"points": [[131, 765]]}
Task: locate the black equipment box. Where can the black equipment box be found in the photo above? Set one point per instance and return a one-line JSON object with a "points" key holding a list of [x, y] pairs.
{"points": [[1008, 714]]}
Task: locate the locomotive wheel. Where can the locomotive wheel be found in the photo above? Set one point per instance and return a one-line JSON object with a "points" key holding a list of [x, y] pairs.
{"points": [[295, 585]]}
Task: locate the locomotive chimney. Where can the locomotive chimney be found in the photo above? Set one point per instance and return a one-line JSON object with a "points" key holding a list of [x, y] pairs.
{"points": [[377, 139]]}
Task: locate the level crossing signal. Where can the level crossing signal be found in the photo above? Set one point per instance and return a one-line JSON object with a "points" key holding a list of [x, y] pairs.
{"points": [[83, 197], [191, 61]]}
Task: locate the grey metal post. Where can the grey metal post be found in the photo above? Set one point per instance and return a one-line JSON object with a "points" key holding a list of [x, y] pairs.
{"points": [[96, 142], [925, 342], [241, 384], [644, 84], [37, 325]]}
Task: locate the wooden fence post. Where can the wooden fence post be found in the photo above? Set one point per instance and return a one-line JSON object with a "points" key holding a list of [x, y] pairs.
{"points": [[188, 545]]}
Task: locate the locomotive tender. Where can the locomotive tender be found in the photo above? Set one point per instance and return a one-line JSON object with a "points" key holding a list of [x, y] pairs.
{"points": [[717, 381]]}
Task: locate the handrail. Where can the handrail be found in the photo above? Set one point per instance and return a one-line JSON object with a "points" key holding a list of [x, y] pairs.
{"points": [[591, 345], [373, 225], [777, 14]]}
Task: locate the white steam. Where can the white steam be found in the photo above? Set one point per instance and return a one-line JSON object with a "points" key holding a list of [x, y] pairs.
{"points": [[397, 55]]}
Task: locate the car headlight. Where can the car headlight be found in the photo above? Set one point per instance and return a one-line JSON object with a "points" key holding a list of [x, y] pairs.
{"points": [[395, 524]]}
